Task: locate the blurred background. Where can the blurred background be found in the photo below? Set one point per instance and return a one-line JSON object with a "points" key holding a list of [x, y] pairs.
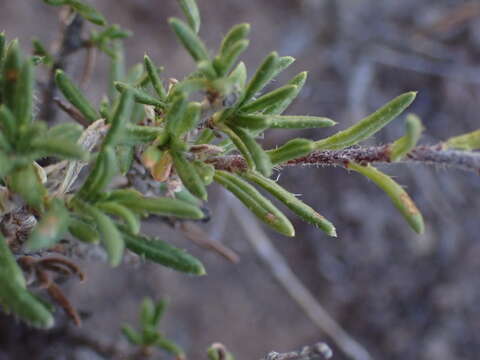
{"points": [[401, 296]]}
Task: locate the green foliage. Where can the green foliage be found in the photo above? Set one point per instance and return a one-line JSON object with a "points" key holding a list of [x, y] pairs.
{"points": [[179, 141], [148, 335]]}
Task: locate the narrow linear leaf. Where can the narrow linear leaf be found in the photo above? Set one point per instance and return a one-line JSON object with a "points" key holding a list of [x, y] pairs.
{"points": [[73, 94], [23, 304], [59, 148], [192, 14], [234, 35], [170, 347], [139, 95], [131, 221], [223, 64], [155, 78], [299, 122], [137, 134], [163, 253], [259, 156], [110, 235], [270, 99], [255, 202], [240, 145], [175, 114], [397, 194], [283, 63], [11, 74], [66, 131], [250, 121], [291, 150], [468, 142], [9, 268], [402, 146], [278, 108], [88, 12], [83, 231], [205, 171], [238, 77], [8, 123], [24, 94], [161, 206], [132, 336], [190, 40], [292, 202], [120, 119], [369, 125], [205, 137], [189, 176], [117, 68], [262, 77]]}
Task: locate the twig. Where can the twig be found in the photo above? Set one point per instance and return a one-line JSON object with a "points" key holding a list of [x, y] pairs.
{"points": [[317, 351], [293, 286], [431, 155], [196, 234], [72, 112], [71, 42]]}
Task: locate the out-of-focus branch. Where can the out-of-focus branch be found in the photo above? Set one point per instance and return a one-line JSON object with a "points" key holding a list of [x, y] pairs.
{"points": [[71, 41], [281, 271], [315, 352], [431, 155]]}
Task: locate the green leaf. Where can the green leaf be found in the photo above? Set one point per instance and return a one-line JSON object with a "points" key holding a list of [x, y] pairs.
{"points": [[255, 202], [88, 12], [9, 268], [238, 76], [468, 142], [66, 131], [170, 347], [259, 156], [137, 134], [292, 202], [205, 137], [131, 221], [235, 34], [58, 147], [83, 231], [250, 121], [299, 122], [291, 150], [190, 119], [270, 99], [402, 146], [132, 336], [175, 114], [8, 123], [163, 253], [240, 145], [139, 95], [192, 14], [262, 77], [190, 40], [368, 126], [160, 307], [40, 50], [155, 78], [397, 194], [120, 118], [25, 305], [73, 94], [110, 236], [147, 311], [161, 206], [53, 224], [26, 183], [103, 171], [24, 94], [117, 68], [189, 176], [223, 64], [11, 74], [281, 106]]}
